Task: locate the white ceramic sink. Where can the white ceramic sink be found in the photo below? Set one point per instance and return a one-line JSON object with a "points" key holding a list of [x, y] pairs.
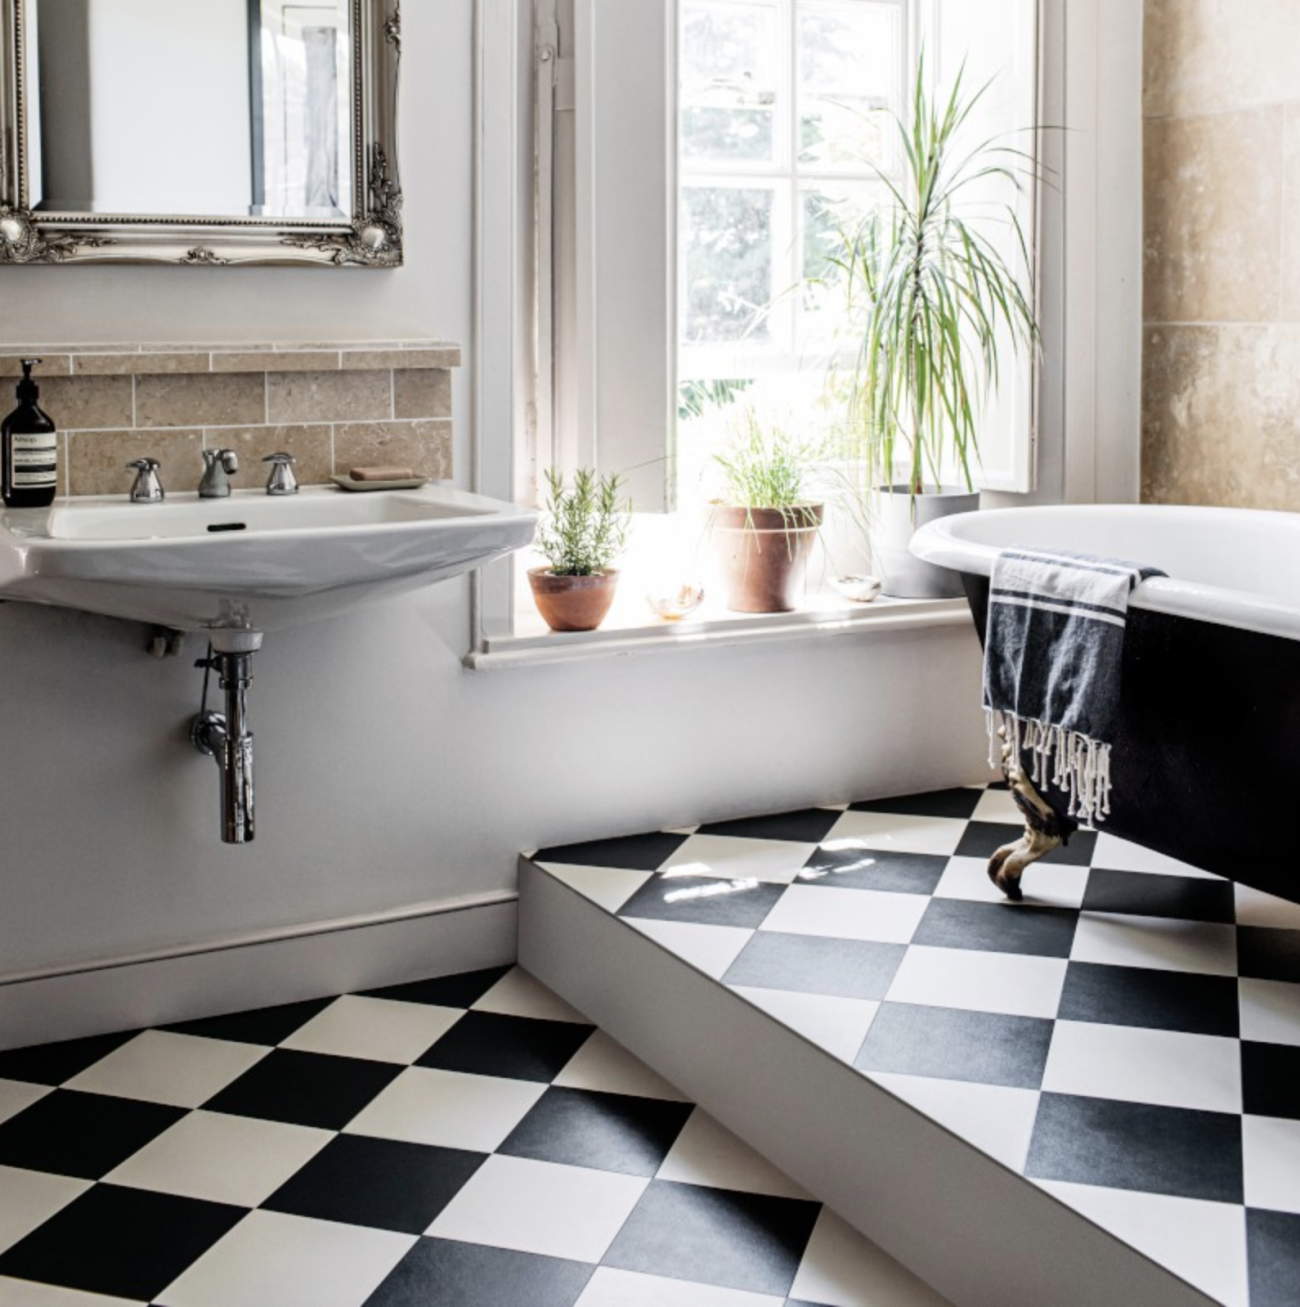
{"points": [[251, 561]]}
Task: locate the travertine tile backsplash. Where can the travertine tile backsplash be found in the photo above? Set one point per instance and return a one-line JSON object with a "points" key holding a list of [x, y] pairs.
{"points": [[331, 406], [1221, 365]]}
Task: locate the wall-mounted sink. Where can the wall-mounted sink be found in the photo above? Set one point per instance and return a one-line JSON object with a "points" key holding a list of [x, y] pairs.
{"points": [[249, 561]]}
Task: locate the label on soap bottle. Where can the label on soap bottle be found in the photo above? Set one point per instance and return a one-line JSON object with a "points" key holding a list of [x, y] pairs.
{"points": [[34, 459]]}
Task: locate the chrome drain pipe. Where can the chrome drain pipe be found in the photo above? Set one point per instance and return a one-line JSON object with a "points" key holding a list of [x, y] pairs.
{"points": [[225, 736]]}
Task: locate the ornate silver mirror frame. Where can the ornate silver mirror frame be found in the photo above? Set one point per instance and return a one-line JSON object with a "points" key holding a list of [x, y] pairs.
{"points": [[373, 239]]}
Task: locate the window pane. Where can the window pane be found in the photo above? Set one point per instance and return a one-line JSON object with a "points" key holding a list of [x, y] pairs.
{"points": [[831, 216], [848, 70], [729, 79], [726, 242]]}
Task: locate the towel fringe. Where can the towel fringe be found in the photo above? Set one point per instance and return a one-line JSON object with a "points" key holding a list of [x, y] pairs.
{"points": [[1080, 765]]}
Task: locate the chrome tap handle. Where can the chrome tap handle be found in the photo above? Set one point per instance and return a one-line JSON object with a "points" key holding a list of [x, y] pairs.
{"points": [[147, 488], [282, 480]]}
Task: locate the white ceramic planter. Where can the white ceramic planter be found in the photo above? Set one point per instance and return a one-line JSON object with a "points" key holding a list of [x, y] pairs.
{"points": [[897, 515]]}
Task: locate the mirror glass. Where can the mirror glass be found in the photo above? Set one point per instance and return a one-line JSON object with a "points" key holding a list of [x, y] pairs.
{"points": [[200, 108]]}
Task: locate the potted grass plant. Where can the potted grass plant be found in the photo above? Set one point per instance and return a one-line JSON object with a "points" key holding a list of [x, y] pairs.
{"points": [[766, 524], [582, 531], [935, 303]]}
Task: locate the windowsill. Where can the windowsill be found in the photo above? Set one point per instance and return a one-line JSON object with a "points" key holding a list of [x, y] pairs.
{"points": [[656, 562]]}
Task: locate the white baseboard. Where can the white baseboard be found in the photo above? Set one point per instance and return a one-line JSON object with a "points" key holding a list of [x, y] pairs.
{"points": [[258, 970]]}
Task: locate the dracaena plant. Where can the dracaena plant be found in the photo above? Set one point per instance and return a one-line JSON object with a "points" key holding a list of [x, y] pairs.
{"points": [[932, 296], [583, 528]]}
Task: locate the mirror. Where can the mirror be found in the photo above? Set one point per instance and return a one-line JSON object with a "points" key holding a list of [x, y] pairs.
{"points": [[204, 132]]}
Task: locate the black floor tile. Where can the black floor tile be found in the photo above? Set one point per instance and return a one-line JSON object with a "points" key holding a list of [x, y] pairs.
{"points": [[938, 803], [377, 1182], [304, 1089], [946, 1044], [1178, 1151], [632, 852], [84, 1135], [1270, 1080], [1267, 954], [1186, 897], [1144, 996], [438, 1271], [715, 1236], [983, 839], [125, 1243], [519, 1048], [1272, 1257], [52, 1064], [704, 900], [808, 826], [898, 873], [843, 968], [268, 1025], [998, 927], [607, 1132], [444, 991]]}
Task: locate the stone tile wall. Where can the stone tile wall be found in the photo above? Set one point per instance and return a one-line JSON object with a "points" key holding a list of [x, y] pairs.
{"points": [[332, 407], [1221, 363]]}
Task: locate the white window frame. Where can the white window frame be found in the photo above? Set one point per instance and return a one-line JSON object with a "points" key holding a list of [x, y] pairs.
{"points": [[1090, 265]]}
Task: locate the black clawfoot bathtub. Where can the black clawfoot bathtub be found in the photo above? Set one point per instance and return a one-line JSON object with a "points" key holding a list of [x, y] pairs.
{"points": [[1206, 765]]}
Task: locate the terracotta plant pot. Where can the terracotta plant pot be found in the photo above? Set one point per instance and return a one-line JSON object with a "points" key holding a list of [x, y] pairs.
{"points": [[764, 554], [572, 603]]}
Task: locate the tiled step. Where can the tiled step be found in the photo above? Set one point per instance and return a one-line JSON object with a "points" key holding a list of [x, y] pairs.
{"points": [[1088, 1098]]}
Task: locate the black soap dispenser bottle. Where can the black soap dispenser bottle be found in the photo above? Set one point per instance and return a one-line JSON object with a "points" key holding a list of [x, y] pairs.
{"points": [[29, 468]]}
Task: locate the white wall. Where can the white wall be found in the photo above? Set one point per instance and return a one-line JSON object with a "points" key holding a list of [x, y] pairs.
{"points": [[387, 774]]}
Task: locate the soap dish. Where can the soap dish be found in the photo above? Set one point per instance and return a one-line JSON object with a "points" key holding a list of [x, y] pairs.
{"points": [[349, 483]]}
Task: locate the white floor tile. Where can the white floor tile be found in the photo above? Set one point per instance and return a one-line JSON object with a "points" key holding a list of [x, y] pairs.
{"points": [[998, 805], [1255, 908], [979, 982], [377, 1029], [518, 994], [1127, 941], [161, 1067], [224, 1159], [30, 1198], [839, 1025], [1270, 1011], [847, 914], [883, 830], [607, 887], [1272, 1163], [732, 858], [995, 1119], [16, 1096], [1204, 1243], [1045, 884], [706, 1153], [428, 1106], [1123, 855], [710, 949], [25, 1293], [291, 1261], [842, 1268], [1136, 1065], [601, 1064], [540, 1207], [613, 1288]]}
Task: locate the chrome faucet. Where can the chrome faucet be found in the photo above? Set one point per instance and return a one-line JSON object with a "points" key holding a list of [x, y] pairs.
{"points": [[218, 464], [147, 488], [282, 480]]}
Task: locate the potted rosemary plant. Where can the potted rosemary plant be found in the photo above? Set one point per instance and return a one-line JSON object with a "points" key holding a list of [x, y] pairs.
{"points": [[766, 524], [935, 303], [582, 531]]}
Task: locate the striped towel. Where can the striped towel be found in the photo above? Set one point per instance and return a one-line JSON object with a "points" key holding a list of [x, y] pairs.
{"points": [[1052, 665]]}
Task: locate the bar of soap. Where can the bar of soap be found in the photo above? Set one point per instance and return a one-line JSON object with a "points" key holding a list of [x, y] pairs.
{"points": [[385, 473]]}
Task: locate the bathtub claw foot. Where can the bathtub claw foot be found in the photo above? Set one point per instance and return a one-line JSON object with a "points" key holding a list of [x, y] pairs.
{"points": [[1045, 828]]}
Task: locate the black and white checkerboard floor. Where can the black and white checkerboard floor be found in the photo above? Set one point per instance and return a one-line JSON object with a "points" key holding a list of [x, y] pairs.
{"points": [[1128, 1038], [466, 1142]]}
